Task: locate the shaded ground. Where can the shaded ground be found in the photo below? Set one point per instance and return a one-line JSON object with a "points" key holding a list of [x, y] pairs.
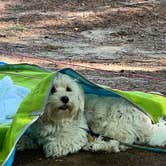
{"points": [[129, 158], [126, 40]]}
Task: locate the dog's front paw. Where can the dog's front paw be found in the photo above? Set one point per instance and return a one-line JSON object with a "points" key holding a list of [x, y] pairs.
{"points": [[100, 145], [51, 150], [59, 149]]}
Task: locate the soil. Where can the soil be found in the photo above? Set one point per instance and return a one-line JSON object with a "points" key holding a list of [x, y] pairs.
{"points": [[117, 43]]}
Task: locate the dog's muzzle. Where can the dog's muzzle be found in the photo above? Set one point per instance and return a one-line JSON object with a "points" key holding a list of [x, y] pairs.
{"points": [[64, 107]]}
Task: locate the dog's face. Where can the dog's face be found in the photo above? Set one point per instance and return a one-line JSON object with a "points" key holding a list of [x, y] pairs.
{"points": [[66, 98]]}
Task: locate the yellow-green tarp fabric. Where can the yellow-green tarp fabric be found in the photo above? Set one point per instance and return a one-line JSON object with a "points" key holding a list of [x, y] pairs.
{"points": [[153, 105], [39, 81]]}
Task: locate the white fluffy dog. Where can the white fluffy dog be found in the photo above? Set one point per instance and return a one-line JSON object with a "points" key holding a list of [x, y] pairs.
{"points": [[120, 120], [60, 130]]}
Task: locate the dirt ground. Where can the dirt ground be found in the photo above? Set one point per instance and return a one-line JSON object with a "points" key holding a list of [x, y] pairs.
{"points": [[113, 42]]}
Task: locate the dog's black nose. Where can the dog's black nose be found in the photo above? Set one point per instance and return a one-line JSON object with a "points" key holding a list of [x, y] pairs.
{"points": [[64, 99]]}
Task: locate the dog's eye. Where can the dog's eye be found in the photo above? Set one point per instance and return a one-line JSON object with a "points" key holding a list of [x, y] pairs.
{"points": [[53, 90], [68, 89]]}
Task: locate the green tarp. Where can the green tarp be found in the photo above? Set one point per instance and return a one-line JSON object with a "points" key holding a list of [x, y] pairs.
{"points": [[39, 81]]}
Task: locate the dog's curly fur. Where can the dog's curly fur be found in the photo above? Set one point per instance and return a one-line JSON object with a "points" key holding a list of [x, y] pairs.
{"points": [[59, 130], [121, 121]]}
